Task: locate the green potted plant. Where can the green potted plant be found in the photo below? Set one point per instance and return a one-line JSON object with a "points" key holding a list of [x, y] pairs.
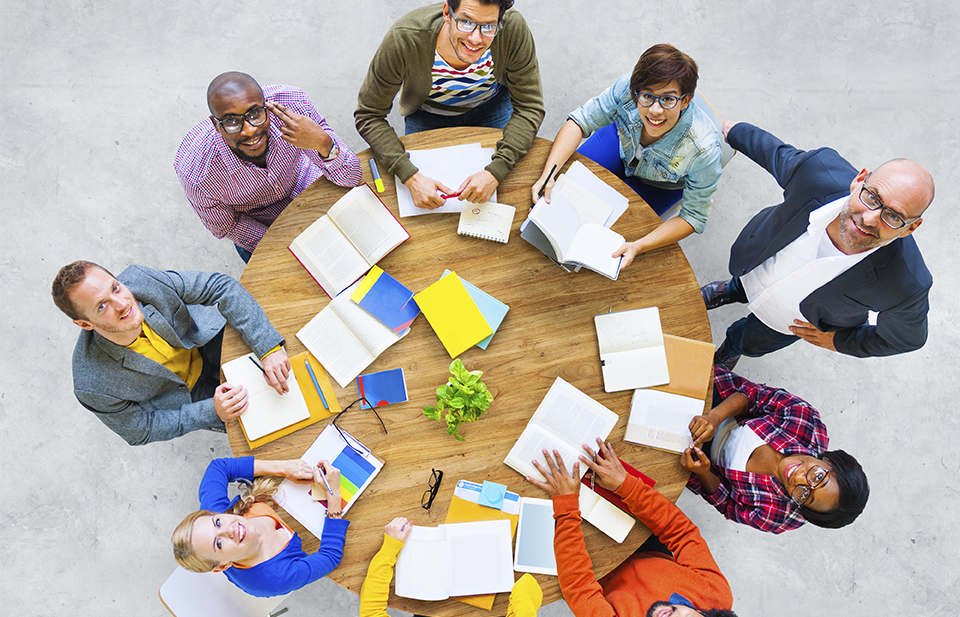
{"points": [[463, 399]]}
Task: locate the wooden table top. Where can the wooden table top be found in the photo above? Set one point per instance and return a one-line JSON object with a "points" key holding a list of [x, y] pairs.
{"points": [[549, 332]]}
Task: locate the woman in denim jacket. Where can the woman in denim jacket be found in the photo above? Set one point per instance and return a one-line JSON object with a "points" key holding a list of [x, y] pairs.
{"points": [[646, 132]]}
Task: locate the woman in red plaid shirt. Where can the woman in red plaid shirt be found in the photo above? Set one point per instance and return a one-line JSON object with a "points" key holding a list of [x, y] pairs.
{"points": [[771, 468]]}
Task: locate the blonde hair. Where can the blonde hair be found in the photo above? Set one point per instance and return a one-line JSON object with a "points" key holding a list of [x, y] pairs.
{"points": [[261, 490]]}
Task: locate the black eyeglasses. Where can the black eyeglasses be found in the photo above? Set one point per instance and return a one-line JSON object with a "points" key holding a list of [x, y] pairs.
{"points": [[816, 476], [667, 101], [357, 447], [431, 493], [233, 123], [890, 218], [467, 26]]}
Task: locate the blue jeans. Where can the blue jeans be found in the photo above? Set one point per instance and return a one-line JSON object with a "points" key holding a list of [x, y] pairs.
{"points": [[750, 336], [245, 255], [493, 114], [603, 148]]}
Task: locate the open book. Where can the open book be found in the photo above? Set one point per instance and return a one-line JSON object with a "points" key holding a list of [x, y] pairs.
{"points": [[662, 420], [565, 419], [267, 411], [461, 559], [632, 352], [574, 227], [345, 338], [354, 234]]}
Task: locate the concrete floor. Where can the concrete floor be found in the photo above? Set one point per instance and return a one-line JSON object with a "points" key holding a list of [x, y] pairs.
{"points": [[96, 96]]}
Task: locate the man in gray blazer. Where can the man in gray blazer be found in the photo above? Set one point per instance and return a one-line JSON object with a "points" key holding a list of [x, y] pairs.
{"points": [[147, 362]]}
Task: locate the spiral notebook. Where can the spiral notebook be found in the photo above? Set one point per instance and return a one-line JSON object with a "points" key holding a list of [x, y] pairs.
{"points": [[488, 221]]}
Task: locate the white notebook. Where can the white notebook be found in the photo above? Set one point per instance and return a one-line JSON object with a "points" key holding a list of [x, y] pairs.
{"points": [[632, 353], [487, 221], [662, 420], [267, 411], [460, 559]]}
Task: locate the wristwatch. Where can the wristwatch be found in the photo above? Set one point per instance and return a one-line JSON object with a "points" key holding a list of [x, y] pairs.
{"points": [[334, 151]]}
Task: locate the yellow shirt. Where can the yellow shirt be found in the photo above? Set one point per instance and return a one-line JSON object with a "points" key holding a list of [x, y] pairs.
{"points": [[187, 364]]}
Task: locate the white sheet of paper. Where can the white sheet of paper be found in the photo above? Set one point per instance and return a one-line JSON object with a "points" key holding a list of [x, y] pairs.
{"points": [[450, 166], [590, 181]]}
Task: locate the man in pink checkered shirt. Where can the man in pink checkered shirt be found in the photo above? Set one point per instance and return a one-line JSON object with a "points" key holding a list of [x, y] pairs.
{"points": [[240, 169]]}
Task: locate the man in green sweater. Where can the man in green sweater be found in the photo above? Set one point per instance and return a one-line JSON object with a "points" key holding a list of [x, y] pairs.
{"points": [[461, 63]]}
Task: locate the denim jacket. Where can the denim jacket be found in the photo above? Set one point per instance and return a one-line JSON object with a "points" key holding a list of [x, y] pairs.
{"points": [[687, 157]]}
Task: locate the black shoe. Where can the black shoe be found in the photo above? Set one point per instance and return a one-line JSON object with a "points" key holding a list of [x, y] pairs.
{"points": [[724, 359], [715, 294]]}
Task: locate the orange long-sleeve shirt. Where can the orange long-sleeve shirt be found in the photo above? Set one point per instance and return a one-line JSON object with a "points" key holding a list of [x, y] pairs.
{"points": [[643, 578]]}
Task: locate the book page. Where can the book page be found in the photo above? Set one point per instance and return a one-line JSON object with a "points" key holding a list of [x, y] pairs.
{"points": [[328, 256], [267, 411], [565, 419], [605, 516], [422, 565], [367, 223], [340, 352], [662, 420], [367, 329], [591, 182], [592, 248], [481, 560]]}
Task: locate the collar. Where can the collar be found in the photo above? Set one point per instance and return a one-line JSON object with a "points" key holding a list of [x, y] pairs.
{"points": [[820, 218], [676, 598]]}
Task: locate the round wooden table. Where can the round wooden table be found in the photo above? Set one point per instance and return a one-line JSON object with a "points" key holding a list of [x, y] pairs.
{"points": [[548, 332]]}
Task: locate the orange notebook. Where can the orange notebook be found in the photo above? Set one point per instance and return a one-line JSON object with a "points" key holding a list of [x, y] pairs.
{"points": [[690, 364], [317, 412], [463, 511]]}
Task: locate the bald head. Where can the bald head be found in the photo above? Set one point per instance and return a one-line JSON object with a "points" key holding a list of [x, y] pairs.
{"points": [[909, 181], [228, 86]]}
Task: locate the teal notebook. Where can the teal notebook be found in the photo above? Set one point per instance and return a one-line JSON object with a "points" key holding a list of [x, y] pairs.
{"points": [[493, 310]]}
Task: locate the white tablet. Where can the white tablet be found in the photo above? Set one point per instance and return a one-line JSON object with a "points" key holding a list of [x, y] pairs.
{"points": [[535, 537]]}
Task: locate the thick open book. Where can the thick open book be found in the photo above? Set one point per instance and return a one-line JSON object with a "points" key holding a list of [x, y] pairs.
{"points": [[267, 411], [573, 224], [632, 351], [565, 419], [461, 559], [354, 234], [346, 339]]}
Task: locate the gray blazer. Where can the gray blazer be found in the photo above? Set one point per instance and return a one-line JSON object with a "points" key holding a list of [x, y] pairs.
{"points": [[142, 400]]}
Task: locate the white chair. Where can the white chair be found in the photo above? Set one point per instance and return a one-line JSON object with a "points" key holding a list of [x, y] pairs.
{"points": [[726, 151], [188, 594]]}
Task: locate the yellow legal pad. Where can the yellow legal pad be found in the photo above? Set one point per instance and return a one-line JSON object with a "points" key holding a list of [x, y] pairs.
{"points": [[453, 314]]}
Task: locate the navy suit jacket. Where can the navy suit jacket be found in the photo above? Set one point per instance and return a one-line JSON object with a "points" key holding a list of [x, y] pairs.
{"points": [[893, 280], [140, 399]]}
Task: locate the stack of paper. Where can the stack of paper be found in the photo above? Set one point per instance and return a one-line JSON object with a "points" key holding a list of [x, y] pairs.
{"points": [[493, 310], [388, 300], [453, 314], [450, 166]]}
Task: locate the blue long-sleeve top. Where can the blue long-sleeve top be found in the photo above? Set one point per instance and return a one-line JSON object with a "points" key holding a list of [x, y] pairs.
{"points": [[291, 568]]}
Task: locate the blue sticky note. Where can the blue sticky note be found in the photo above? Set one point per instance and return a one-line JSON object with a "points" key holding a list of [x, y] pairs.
{"points": [[491, 495]]}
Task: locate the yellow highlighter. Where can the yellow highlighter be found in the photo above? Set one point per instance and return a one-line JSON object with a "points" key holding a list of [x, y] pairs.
{"points": [[377, 181]]}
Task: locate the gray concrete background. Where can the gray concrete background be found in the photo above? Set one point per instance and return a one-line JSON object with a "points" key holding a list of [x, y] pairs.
{"points": [[97, 94]]}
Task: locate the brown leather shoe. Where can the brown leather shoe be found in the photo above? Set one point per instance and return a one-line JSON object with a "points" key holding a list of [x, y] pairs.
{"points": [[715, 294], [721, 357]]}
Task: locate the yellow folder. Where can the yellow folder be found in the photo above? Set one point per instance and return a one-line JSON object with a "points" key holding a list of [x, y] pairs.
{"points": [[453, 314]]}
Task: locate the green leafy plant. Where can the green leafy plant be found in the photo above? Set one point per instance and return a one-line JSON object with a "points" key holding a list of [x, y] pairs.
{"points": [[463, 399]]}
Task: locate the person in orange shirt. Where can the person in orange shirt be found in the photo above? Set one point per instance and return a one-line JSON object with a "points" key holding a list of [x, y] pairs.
{"points": [[686, 584]]}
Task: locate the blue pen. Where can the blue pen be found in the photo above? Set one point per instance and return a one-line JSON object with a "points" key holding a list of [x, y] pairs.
{"points": [[315, 384]]}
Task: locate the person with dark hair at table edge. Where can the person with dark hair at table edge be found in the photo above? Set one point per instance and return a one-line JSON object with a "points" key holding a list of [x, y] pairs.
{"points": [[147, 361], [770, 466], [684, 583], [837, 248], [647, 130], [240, 168], [525, 597], [246, 539], [461, 63]]}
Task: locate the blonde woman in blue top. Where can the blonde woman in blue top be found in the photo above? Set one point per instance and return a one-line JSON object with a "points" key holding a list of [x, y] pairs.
{"points": [[645, 130]]}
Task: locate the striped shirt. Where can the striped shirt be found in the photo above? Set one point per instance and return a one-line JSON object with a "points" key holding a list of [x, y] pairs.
{"points": [[457, 91], [239, 200]]}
